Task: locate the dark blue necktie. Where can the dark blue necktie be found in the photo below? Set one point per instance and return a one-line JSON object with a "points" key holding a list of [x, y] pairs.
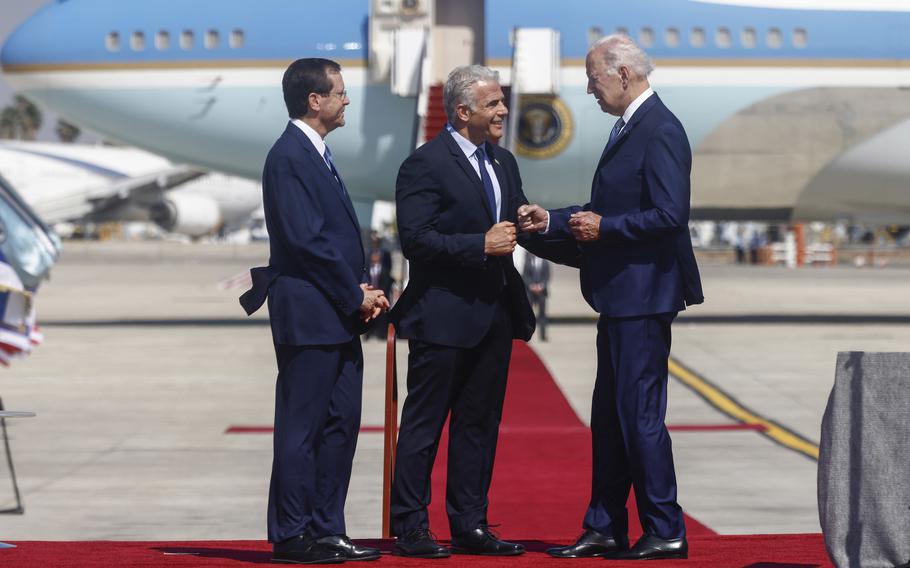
{"points": [[615, 132], [487, 182], [331, 164]]}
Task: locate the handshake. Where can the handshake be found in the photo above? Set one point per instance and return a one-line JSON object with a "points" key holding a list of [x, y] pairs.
{"points": [[500, 239], [584, 225], [374, 303]]}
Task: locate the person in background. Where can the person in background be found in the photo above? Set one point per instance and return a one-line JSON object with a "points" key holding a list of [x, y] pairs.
{"points": [[380, 276], [536, 274]]}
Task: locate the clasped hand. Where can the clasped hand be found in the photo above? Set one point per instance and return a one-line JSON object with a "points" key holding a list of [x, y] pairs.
{"points": [[584, 225], [533, 218], [374, 303], [500, 239]]}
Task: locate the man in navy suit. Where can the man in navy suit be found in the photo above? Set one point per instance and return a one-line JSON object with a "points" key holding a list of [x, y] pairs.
{"points": [[457, 199], [318, 304], [637, 271]]}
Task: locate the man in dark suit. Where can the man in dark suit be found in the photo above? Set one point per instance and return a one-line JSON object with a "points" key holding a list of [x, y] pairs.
{"points": [[638, 270], [457, 197], [379, 271], [536, 274], [318, 304]]}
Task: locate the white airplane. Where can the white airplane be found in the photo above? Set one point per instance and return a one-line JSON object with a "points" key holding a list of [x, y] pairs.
{"points": [[773, 93], [69, 182]]}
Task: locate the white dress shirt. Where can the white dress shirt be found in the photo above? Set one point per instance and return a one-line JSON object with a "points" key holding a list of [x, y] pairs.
{"points": [[470, 149], [314, 137], [633, 106]]}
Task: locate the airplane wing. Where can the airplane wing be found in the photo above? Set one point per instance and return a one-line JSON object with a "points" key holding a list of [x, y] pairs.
{"points": [[103, 201], [69, 182], [144, 191]]}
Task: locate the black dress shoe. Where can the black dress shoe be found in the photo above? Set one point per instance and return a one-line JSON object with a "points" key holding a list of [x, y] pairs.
{"points": [[591, 543], [351, 551], [482, 541], [650, 547], [419, 543], [302, 550]]}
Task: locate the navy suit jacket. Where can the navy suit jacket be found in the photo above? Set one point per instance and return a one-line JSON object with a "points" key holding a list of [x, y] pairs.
{"points": [[443, 215], [317, 260], [643, 262]]}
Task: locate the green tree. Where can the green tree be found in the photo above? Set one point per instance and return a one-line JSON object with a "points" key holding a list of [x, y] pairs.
{"points": [[9, 122], [30, 118], [67, 132]]}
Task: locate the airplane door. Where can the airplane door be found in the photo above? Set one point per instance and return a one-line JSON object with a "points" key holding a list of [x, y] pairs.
{"points": [[391, 22], [458, 36]]}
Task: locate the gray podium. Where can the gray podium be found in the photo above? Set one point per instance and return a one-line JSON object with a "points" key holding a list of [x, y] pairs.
{"points": [[4, 414], [864, 462]]}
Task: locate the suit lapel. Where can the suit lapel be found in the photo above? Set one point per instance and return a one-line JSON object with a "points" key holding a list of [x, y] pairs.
{"points": [[320, 166], [609, 150], [468, 169]]}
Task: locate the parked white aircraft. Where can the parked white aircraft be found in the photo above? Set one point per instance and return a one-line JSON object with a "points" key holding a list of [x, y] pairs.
{"points": [[69, 182]]}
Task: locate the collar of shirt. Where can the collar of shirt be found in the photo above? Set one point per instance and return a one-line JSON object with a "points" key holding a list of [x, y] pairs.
{"points": [[314, 136], [470, 149], [630, 110], [466, 145]]}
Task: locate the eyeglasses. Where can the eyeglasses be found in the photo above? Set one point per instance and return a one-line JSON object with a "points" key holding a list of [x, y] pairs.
{"points": [[340, 95]]}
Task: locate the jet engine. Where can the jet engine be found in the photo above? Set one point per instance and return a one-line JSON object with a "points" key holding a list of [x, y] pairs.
{"points": [[187, 214]]}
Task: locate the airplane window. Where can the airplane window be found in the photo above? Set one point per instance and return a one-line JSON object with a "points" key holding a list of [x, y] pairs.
{"points": [[112, 42], [671, 37], [646, 37], [163, 40], [774, 38], [697, 37], [237, 39], [722, 38], [211, 39], [800, 38], [594, 34], [186, 40], [748, 37], [137, 41]]}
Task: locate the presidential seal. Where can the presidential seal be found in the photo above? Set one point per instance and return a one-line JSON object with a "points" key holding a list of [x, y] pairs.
{"points": [[544, 127]]}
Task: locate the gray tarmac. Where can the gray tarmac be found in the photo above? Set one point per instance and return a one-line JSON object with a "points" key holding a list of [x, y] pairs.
{"points": [[148, 359]]}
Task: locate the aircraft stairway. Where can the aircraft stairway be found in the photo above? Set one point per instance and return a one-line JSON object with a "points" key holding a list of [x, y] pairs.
{"points": [[435, 118]]}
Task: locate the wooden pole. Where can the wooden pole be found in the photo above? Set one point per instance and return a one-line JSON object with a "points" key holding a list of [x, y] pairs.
{"points": [[390, 430]]}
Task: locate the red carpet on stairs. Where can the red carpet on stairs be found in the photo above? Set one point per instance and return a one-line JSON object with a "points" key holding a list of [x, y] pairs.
{"points": [[542, 477]]}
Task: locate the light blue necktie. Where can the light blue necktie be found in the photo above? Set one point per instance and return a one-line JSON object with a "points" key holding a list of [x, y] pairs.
{"points": [[331, 164], [487, 182]]}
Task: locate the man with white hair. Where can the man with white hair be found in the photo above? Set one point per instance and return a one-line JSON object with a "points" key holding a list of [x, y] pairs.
{"points": [[637, 271], [457, 199]]}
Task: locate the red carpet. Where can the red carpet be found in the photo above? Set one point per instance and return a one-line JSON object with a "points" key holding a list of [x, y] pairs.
{"points": [[542, 477], [758, 551], [540, 490]]}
